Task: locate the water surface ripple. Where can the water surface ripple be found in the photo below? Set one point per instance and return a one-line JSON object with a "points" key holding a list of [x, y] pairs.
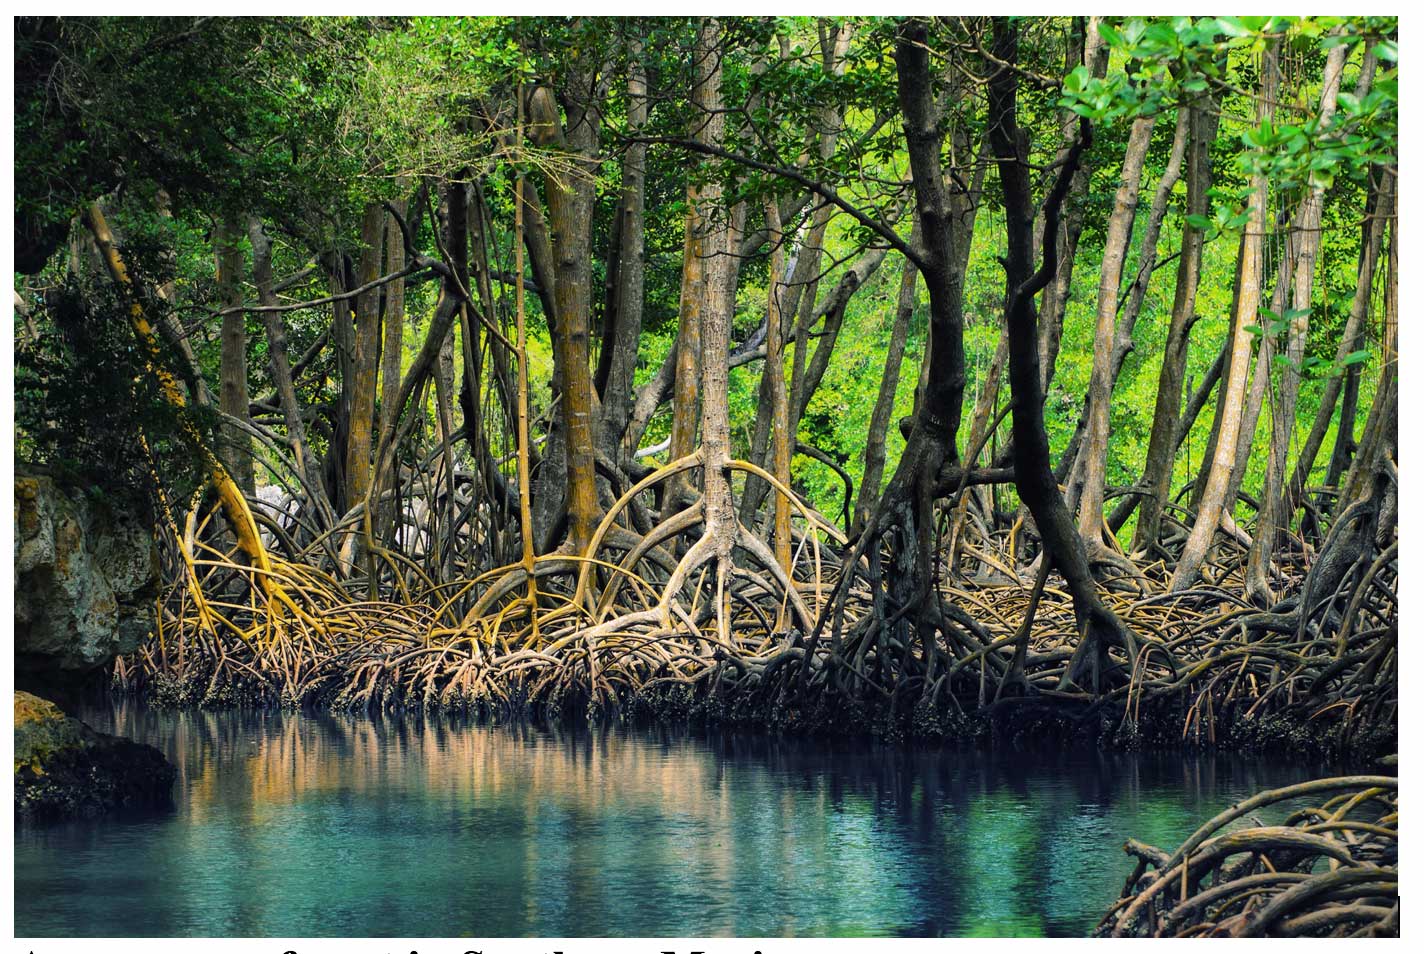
{"points": [[299, 825]]}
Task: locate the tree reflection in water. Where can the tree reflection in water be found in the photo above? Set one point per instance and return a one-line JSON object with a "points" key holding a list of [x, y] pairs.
{"points": [[292, 825]]}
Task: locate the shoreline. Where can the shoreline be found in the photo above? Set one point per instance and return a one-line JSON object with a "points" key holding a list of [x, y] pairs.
{"points": [[1021, 723]]}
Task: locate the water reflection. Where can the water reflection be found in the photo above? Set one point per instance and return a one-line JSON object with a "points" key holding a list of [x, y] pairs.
{"points": [[332, 825]]}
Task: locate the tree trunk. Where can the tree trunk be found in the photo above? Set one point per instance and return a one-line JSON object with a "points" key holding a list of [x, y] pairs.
{"points": [[235, 444], [279, 364], [1094, 450], [1380, 439], [1089, 50], [569, 196], [1233, 393], [392, 347], [1033, 473], [230, 496], [1379, 211], [874, 470], [364, 357], [1272, 516], [707, 124], [623, 319], [781, 432]]}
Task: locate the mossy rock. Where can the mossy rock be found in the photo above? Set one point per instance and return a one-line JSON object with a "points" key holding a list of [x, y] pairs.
{"points": [[63, 768], [41, 732]]}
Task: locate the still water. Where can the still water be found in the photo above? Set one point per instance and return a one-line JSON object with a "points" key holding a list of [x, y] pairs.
{"points": [[290, 825]]}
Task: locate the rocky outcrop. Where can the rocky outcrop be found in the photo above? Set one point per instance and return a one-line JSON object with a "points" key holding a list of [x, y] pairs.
{"points": [[86, 577], [63, 768]]}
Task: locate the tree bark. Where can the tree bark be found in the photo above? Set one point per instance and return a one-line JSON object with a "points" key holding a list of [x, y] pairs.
{"points": [[1248, 304], [874, 470], [279, 364], [1272, 517], [1345, 389], [1033, 473], [1092, 52], [364, 357], [569, 195], [235, 445], [1348, 394], [1380, 440], [781, 432], [623, 318], [1094, 450], [707, 124]]}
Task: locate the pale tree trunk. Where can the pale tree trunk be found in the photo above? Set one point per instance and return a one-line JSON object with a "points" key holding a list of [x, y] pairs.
{"points": [[1146, 266], [781, 433], [392, 345], [364, 357], [235, 444], [1379, 206], [874, 470], [570, 199], [1094, 451], [1259, 384], [1147, 259], [719, 512], [279, 364], [1271, 516], [707, 123], [717, 232], [1380, 440], [1353, 339], [1248, 302], [1092, 52], [803, 281], [623, 319]]}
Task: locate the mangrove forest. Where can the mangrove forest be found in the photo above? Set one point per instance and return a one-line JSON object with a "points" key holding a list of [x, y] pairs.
{"points": [[969, 391]]}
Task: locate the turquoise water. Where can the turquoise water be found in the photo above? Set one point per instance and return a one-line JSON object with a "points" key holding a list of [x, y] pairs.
{"points": [[291, 825]]}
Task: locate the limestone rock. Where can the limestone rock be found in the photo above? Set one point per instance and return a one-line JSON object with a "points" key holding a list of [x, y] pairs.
{"points": [[86, 576]]}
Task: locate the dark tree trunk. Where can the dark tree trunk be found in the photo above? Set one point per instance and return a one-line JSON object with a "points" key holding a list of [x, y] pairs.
{"points": [[1033, 471]]}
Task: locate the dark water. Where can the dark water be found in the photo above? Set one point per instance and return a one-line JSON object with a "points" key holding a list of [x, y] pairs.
{"points": [[326, 825]]}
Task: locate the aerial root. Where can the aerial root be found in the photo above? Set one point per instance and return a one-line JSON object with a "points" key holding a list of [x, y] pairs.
{"points": [[681, 608], [1327, 870]]}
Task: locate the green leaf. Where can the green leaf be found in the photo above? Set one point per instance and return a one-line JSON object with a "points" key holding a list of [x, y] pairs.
{"points": [[1232, 26]]}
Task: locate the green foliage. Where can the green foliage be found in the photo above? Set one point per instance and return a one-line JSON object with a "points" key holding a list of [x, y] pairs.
{"points": [[304, 121], [86, 407]]}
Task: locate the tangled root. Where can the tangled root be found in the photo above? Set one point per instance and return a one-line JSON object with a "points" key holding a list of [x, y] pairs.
{"points": [[1329, 870]]}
